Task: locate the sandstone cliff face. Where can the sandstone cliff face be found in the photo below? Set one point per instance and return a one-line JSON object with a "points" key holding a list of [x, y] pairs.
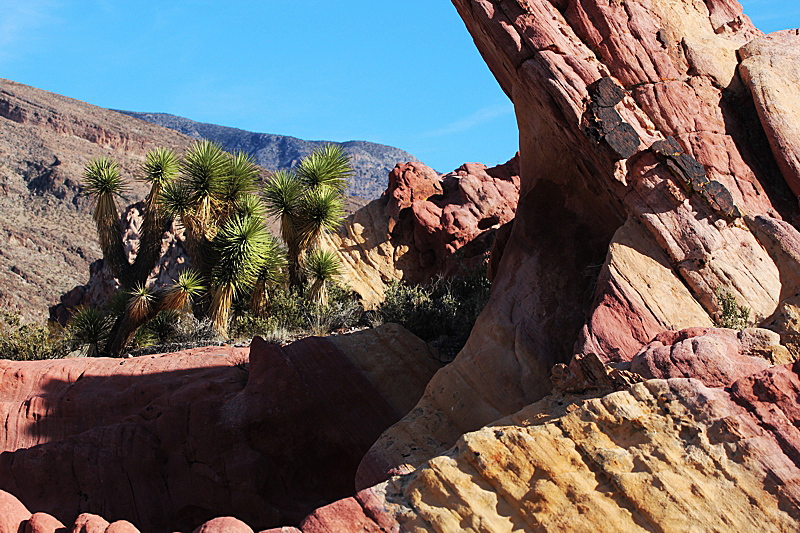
{"points": [[646, 183], [413, 231]]}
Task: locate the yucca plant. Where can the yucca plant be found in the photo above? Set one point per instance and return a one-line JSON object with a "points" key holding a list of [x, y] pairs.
{"points": [[90, 328], [213, 195], [322, 267], [308, 203], [238, 252]]}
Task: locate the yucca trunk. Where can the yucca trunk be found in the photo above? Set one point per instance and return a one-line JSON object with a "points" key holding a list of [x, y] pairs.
{"points": [[153, 227], [259, 298], [221, 306], [318, 293], [109, 234], [126, 326]]}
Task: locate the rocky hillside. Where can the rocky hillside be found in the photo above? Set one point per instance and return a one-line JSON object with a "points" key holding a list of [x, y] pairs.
{"points": [[371, 162], [47, 236]]}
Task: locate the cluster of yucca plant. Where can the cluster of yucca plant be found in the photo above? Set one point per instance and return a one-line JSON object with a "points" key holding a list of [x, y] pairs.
{"points": [[218, 200]]}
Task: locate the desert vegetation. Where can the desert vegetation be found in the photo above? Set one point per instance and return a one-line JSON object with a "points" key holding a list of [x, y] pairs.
{"points": [[219, 201], [242, 281]]}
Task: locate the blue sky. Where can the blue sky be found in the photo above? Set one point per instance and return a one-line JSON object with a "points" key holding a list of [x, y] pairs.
{"points": [[399, 72]]}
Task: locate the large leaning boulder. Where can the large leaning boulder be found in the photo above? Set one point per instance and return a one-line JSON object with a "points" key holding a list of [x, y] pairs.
{"points": [[643, 163]]}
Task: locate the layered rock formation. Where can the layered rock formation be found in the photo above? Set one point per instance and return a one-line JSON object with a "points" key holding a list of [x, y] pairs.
{"points": [[677, 454], [647, 185], [414, 230], [168, 442]]}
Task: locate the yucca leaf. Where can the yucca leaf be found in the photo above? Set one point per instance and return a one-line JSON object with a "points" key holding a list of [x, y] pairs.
{"points": [[322, 209], [141, 303], [160, 167], [102, 180], [89, 327], [323, 264], [187, 287], [327, 166], [204, 172], [101, 176], [239, 249], [242, 177], [250, 205]]}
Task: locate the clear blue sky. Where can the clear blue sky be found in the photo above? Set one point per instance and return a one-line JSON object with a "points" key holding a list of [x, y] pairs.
{"points": [[398, 72]]}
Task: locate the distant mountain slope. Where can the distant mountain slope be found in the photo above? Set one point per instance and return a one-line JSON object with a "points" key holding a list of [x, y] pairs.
{"points": [[371, 162], [47, 235]]}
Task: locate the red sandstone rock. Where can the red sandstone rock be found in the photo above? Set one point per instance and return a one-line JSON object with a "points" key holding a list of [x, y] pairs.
{"points": [[89, 523], [345, 516], [44, 523], [13, 513], [225, 524], [717, 357], [123, 526], [169, 441], [409, 183], [771, 69], [413, 231], [630, 113]]}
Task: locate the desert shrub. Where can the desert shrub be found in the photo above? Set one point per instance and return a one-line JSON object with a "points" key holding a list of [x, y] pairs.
{"points": [[28, 342], [175, 331], [441, 312], [292, 314], [731, 315]]}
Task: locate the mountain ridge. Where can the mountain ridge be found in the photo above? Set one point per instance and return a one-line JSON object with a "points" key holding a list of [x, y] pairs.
{"points": [[371, 161]]}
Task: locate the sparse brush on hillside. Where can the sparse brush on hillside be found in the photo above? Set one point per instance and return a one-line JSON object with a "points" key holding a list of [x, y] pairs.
{"points": [[29, 342], [216, 197], [293, 314], [441, 312]]}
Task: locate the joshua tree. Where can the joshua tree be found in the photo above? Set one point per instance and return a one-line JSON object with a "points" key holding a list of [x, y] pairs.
{"points": [[211, 193], [308, 202]]}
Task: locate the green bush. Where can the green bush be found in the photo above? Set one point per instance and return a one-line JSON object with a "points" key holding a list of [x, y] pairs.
{"points": [[291, 314], [29, 342], [441, 312], [731, 315]]}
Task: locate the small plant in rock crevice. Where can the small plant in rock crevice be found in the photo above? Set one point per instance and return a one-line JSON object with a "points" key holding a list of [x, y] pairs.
{"points": [[731, 315]]}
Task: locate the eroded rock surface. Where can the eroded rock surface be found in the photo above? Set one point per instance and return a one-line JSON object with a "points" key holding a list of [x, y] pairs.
{"points": [[771, 69], [412, 232], [642, 159], [661, 455], [168, 442]]}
